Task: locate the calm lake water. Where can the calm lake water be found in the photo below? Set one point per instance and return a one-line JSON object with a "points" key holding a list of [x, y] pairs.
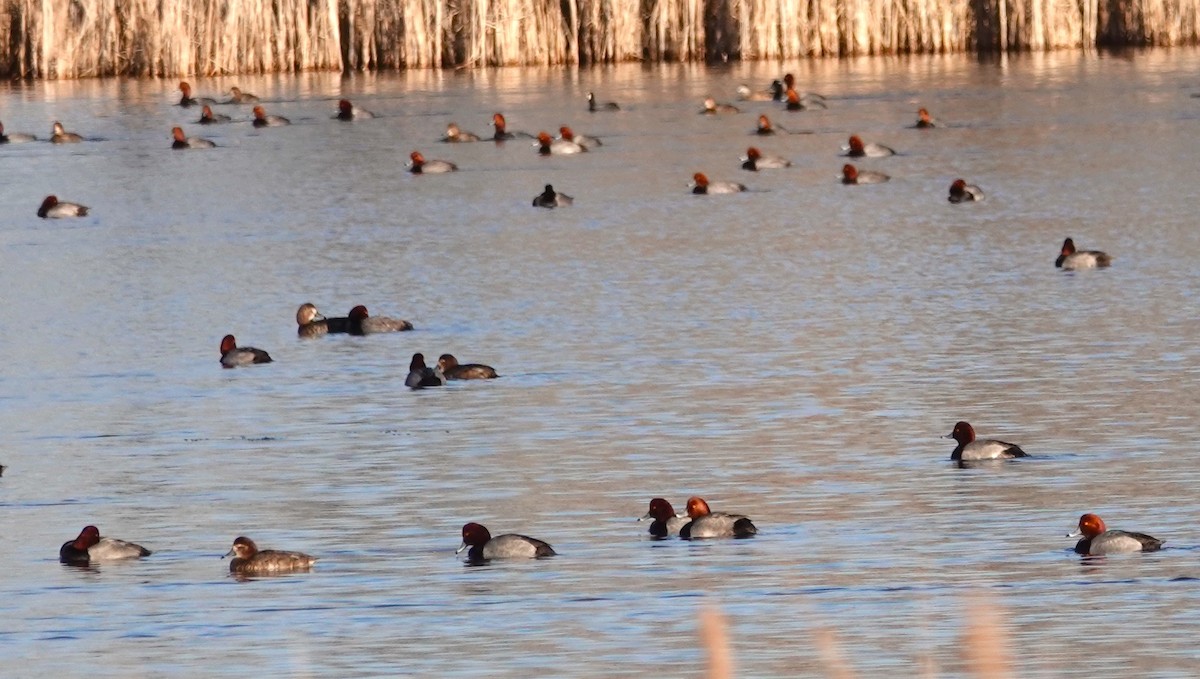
{"points": [[792, 353]]}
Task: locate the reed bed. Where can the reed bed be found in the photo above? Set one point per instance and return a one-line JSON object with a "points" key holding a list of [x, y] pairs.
{"points": [[82, 38]]}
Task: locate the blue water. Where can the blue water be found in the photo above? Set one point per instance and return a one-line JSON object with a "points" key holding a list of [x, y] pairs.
{"points": [[792, 353]]}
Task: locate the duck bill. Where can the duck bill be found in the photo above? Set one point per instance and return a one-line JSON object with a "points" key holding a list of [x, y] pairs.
{"points": [[227, 554], [460, 548], [646, 517], [1075, 534]]}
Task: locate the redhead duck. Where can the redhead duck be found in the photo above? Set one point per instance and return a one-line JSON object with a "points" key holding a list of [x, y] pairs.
{"points": [[362, 323], [454, 135], [806, 98], [232, 355], [236, 96], [666, 521], [606, 106], [755, 161], [509, 546], [701, 185], [186, 100], [793, 101], [1097, 539], [421, 376], [89, 547], [583, 140], [502, 133], [852, 175], [15, 137], [261, 119], [53, 208], [962, 192], [347, 111], [857, 149], [311, 323], [744, 92], [1072, 259], [707, 524], [249, 560], [985, 449], [558, 147], [764, 126], [182, 142], [711, 107], [551, 198], [453, 370], [418, 165], [924, 121], [60, 136], [207, 117]]}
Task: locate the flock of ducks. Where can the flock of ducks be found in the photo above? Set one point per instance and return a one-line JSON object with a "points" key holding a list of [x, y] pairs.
{"points": [[698, 522]]}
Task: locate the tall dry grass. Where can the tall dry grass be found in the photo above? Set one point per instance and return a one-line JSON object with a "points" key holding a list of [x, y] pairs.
{"points": [[81, 38]]}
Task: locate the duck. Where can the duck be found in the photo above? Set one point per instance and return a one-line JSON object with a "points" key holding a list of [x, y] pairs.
{"points": [[755, 161], [1072, 259], [53, 208], [182, 142], [701, 185], [806, 98], [60, 136], [186, 99], [744, 92], [233, 356], [558, 147], [237, 96], [454, 135], [311, 323], [15, 137], [261, 119], [924, 121], [711, 107], [583, 140], [962, 192], [359, 322], [418, 165], [707, 524], [852, 175], [764, 126], [984, 449], [421, 376], [453, 370], [89, 547], [347, 112], [484, 547], [1098, 540], [593, 107], [248, 559], [207, 117], [858, 149], [550, 198], [666, 521], [793, 102], [502, 133]]}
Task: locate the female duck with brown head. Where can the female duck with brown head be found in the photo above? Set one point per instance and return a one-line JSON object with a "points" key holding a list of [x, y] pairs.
{"points": [[248, 559], [453, 370], [233, 356], [1071, 259], [311, 323], [421, 376], [455, 135], [1097, 539], [708, 524], [15, 137], [711, 107], [90, 548], [509, 546], [58, 135], [362, 323], [970, 449], [666, 521], [236, 96]]}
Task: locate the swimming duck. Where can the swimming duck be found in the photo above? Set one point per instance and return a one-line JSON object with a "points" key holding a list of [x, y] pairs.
{"points": [[962, 192], [186, 100], [53, 208], [207, 117], [233, 356], [453, 370], [509, 546], [807, 99], [359, 322], [558, 147], [1072, 259], [701, 185], [984, 449], [583, 140], [502, 133], [755, 161], [89, 547], [606, 106], [182, 142], [1097, 539], [666, 521], [421, 376], [764, 126], [236, 96], [311, 323], [418, 165], [347, 112], [711, 107], [708, 524], [857, 149], [852, 175], [15, 137], [455, 135], [744, 92], [261, 119], [924, 121], [551, 198], [60, 136], [248, 559]]}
